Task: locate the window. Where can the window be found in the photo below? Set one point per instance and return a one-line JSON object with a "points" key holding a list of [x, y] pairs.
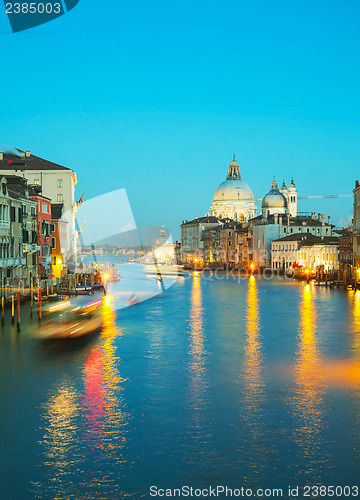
{"points": [[53, 243], [44, 208], [59, 197], [33, 212], [36, 182], [59, 183], [52, 227]]}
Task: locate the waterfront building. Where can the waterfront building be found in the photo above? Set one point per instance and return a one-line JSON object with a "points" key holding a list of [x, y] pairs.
{"points": [[233, 198], [226, 244], [244, 247], [356, 226], [12, 259], [58, 241], [192, 242], [345, 250], [266, 228], [18, 189], [211, 245], [306, 251], [56, 181], [43, 222]]}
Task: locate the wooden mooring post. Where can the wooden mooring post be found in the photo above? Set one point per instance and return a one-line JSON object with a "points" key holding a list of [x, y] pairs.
{"points": [[31, 298], [2, 311], [39, 302], [18, 311], [12, 309]]}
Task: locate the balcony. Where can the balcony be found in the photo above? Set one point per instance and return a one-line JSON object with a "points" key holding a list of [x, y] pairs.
{"points": [[13, 262], [26, 247]]}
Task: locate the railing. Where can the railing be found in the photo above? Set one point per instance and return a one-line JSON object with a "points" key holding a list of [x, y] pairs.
{"points": [[4, 224], [12, 262]]}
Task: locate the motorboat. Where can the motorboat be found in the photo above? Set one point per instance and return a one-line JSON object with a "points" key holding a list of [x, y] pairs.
{"points": [[70, 319]]}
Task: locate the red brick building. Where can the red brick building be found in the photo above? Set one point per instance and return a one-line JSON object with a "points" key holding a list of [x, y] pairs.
{"points": [[43, 222]]}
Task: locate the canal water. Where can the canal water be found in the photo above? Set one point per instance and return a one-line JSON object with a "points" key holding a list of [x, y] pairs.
{"points": [[246, 383]]}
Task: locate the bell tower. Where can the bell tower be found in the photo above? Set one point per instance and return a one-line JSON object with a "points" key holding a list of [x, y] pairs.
{"points": [[292, 199]]}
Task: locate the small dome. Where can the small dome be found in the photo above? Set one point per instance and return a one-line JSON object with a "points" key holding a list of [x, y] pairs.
{"points": [[233, 190], [283, 188], [292, 186], [274, 198]]}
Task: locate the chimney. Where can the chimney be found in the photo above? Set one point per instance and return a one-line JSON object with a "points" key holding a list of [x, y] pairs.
{"points": [[323, 219], [329, 220], [27, 154], [319, 215], [356, 184], [1, 156], [276, 216]]}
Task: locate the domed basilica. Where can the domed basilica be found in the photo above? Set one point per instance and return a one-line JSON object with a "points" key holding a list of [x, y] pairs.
{"points": [[233, 198], [283, 201]]}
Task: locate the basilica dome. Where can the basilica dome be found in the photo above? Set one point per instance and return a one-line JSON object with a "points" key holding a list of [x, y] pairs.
{"points": [[231, 190], [233, 198]]}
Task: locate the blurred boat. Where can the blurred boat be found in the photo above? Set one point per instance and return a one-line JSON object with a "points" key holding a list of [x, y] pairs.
{"points": [[133, 299], [163, 269], [70, 319], [55, 297]]}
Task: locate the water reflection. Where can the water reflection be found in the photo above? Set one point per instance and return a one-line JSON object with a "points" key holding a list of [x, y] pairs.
{"points": [[356, 326], [197, 350], [63, 455], [253, 396], [309, 390], [103, 401], [95, 420], [355, 374], [197, 399], [253, 349]]}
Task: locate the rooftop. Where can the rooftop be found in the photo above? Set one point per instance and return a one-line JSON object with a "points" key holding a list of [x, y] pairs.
{"points": [[307, 239], [32, 162], [209, 219], [293, 221]]}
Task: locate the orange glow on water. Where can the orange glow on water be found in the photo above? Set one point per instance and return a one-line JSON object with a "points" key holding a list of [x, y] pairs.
{"points": [[196, 334], [253, 358]]}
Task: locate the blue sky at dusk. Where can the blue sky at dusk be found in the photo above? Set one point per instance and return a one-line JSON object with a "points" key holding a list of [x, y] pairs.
{"points": [[157, 96]]}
